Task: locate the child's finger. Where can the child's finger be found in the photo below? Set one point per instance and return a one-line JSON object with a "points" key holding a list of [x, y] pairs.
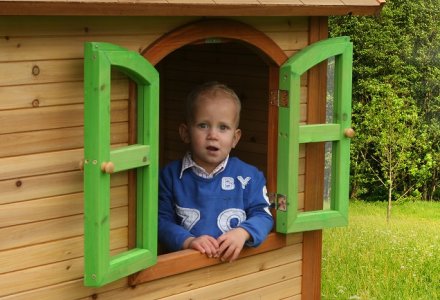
{"points": [[213, 242], [224, 245], [209, 250], [210, 246], [226, 250], [231, 254]]}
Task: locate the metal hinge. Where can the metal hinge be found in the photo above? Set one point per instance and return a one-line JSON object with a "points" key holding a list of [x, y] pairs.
{"points": [[279, 98], [278, 201]]}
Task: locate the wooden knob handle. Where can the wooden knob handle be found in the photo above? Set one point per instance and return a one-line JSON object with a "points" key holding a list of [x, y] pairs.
{"points": [[349, 132], [108, 167]]}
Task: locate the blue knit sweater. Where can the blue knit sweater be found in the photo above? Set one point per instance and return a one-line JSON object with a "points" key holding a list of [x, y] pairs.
{"points": [[192, 206]]}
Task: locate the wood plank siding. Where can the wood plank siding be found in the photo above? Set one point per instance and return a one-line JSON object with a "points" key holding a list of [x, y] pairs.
{"points": [[41, 134]]}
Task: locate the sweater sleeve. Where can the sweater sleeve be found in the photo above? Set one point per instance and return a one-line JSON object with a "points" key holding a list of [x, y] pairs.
{"points": [[171, 234], [259, 221]]}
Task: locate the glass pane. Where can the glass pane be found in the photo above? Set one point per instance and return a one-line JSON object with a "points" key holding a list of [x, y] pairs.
{"points": [[330, 89], [328, 145], [119, 137], [327, 175]]}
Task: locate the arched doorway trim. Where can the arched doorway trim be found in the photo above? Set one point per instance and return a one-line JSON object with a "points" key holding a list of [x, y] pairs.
{"points": [[206, 31], [214, 30]]}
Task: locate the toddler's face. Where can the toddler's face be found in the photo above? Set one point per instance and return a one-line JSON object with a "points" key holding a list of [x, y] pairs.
{"points": [[213, 132]]}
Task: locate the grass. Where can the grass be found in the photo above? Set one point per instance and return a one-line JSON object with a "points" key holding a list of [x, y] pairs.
{"points": [[371, 259]]}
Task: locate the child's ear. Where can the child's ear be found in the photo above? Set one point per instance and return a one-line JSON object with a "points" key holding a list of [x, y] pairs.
{"points": [[237, 136], [184, 133]]}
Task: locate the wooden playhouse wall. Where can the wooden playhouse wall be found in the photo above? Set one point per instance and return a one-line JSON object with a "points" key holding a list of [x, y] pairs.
{"points": [[41, 140]]}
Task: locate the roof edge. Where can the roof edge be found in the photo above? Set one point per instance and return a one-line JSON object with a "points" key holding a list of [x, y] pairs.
{"points": [[139, 8]]}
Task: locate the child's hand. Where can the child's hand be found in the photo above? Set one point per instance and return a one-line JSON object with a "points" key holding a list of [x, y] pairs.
{"points": [[205, 244], [231, 243]]}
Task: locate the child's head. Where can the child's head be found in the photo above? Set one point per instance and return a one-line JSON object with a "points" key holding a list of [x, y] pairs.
{"points": [[209, 90], [211, 128]]}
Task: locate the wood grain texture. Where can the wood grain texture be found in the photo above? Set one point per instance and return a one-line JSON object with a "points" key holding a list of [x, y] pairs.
{"points": [[53, 207], [41, 118], [202, 30], [48, 185], [51, 94], [170, 264], [58, 139], [42, 144], [314, 179], [53, 251], [49, 230], [205, 277], [191, 8]]}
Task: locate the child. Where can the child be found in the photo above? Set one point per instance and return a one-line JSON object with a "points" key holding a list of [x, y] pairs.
{"points": [[209, 201]]}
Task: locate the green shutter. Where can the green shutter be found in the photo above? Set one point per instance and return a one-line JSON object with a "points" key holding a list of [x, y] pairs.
{"points": [[100, 162], [292, 134]]}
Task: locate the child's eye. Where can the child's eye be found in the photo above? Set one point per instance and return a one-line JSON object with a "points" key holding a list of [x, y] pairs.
{"points": [[202, 125], [223, 127]]}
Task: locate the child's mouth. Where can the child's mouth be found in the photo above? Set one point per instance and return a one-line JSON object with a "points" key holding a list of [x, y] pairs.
{"points": [[212, 148]]}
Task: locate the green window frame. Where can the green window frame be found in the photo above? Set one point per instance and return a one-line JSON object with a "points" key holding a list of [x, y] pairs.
{"points": [[100, 161], [291, 134]]}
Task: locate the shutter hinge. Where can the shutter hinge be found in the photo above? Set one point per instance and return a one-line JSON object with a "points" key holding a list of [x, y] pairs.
{"points": [[279, 98], [278, 201]]}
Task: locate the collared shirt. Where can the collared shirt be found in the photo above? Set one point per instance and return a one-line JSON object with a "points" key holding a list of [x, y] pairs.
{"points": [[189, 163]]}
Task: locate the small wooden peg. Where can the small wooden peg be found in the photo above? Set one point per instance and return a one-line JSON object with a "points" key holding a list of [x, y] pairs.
{"points": [[108, 167], [349, 132]]}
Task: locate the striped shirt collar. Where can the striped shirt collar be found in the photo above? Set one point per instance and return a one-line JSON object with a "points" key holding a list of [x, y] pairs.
{"points": [[189, 163]]}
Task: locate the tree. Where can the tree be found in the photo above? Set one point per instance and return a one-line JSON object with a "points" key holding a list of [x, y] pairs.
{"points": [[389, 151], [396, 95]]}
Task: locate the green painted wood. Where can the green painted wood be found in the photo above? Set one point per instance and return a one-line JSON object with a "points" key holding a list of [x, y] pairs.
{"points": [[291, 134], [130, 157], [99, 58], [319, 133]]}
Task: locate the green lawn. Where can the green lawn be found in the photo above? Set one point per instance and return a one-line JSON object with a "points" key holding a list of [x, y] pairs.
{"points": [[371, 259]]}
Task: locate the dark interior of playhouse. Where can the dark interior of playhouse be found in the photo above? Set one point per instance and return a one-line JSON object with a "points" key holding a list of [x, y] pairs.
{"points": [[232, 63]]}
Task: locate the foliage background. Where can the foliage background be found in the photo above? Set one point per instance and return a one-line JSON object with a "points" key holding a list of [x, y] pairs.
{"points": [[396, 100]]}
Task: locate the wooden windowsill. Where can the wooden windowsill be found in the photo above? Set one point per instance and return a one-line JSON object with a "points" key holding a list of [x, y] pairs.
{"points": [[171, 263]]}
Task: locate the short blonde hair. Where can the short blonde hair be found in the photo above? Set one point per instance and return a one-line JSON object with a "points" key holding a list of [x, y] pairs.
{"points": [[209, 90]]}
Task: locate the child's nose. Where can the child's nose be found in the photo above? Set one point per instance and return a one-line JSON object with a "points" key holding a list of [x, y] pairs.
{"points": [[212, 133]]}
